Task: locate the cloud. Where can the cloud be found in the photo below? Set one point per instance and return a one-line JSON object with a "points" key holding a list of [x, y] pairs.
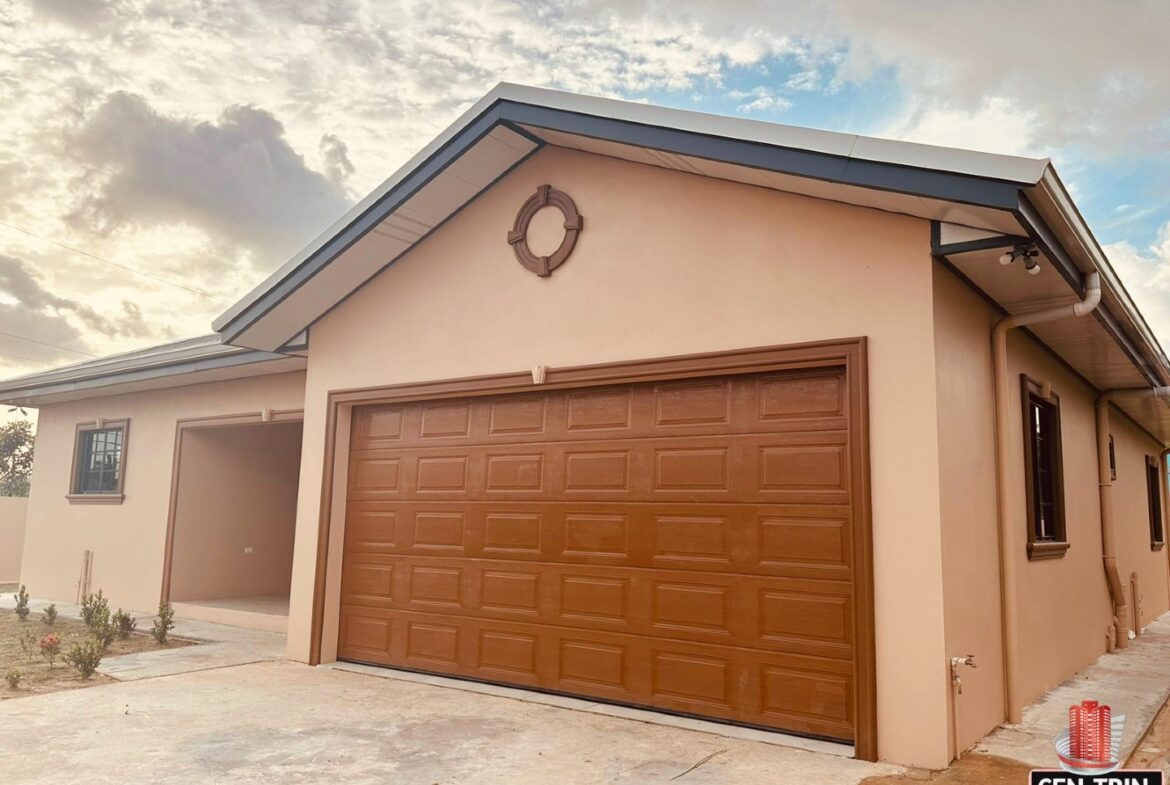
{"points": [[237, 178], [762, 99], [1146, 275], [28, 309], [335, 156], [996, 125]]}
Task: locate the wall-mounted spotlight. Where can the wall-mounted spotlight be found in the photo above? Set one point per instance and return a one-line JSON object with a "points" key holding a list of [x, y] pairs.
{"points": [[1029, 253]]}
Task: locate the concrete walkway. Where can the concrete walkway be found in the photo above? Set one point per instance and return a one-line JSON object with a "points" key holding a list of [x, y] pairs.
{"points": [[1134, 682]]}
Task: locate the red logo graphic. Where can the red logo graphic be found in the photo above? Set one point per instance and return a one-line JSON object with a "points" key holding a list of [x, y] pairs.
{"points": [[1092, 743]]}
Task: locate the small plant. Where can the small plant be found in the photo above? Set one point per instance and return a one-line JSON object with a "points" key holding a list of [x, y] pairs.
{"points": [[123, 623], [50, 646], [164, 623], [21, 598], [28, 644], [104, 633], [95, 609], [13, 677], [85, 657], [49, 615]]}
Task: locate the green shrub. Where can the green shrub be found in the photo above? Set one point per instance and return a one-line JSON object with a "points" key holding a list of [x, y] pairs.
{"points": [[95, 609], [13, 677], [104, 632], [123, 623], [164, 623], [85, 657], [49, 615], [28, 643], [21, 598], [50, 647]]}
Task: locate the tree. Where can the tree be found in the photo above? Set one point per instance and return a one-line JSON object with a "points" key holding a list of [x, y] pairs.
{"points": [[16, 457]]}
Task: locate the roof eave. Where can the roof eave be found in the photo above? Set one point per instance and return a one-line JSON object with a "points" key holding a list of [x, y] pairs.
{"points": [[973, 178]]}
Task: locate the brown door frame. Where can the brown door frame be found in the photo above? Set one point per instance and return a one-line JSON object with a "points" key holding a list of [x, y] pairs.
{"points": [[849, 353], [215, 421]]}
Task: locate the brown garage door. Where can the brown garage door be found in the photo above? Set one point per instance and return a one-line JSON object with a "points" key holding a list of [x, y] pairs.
{"points": [[683, 545]]}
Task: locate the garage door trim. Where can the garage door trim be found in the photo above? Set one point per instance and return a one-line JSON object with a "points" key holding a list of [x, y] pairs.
{"points": [[849, 354]]}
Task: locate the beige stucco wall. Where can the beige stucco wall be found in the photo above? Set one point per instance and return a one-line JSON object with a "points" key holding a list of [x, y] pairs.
{"points": [[237, 491], [127, 539], [13, 512], [1132, 445], [970, 545], [1064, 602], [671, 263]]}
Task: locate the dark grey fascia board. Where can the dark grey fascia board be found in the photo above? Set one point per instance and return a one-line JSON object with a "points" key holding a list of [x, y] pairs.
{"points": [[160, 371], [877, 175], [1044, 237], [916, 181]]}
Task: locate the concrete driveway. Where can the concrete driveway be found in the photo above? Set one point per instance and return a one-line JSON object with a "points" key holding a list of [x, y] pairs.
{"points": [[281, 722]]}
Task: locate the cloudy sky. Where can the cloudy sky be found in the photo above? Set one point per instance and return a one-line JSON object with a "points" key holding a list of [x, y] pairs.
{"points": [[159, 157]]}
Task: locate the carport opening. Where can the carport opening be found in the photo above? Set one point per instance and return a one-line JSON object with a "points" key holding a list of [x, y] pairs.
{"points": [[234, 521]]}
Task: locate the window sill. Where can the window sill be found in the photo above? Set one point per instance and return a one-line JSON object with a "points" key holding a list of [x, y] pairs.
{"points": [[95, 498], [1038, 551], [1157, 546]]}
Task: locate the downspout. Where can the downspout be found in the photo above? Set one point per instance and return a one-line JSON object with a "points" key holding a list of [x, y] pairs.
{"points": [[1008, 552], [1105, 482]]}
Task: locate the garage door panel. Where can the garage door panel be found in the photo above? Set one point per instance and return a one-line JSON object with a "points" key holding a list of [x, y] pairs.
{"points": [[759, 468], [807, 694], [680, 544], [816, 402], [813, 541], [798, 616]]}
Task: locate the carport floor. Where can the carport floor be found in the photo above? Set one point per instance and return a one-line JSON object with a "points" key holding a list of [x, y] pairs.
{"points": [[266, 612]]}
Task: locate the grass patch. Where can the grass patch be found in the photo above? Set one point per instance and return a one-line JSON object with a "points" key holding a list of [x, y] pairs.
{"points": [[36, 676]]}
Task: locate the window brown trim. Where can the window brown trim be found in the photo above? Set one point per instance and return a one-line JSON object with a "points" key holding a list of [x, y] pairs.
{"points": [[118, 495], [1055, 543], [1112, 459], [1155, 503]]}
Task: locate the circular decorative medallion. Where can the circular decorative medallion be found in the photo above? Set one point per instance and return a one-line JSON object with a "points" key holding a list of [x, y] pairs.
{"points": [[518, 238]]}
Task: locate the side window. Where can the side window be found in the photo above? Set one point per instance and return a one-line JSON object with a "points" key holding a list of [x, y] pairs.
{"points": [[1112, 459], [1044, 472], [99, 458], [1154, 492]]}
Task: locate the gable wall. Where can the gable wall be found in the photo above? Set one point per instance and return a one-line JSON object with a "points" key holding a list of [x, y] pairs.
{"points": [[671, 263]]}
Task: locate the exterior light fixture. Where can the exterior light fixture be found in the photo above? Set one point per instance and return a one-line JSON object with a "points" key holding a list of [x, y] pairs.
{"points": [[1029, 253]]}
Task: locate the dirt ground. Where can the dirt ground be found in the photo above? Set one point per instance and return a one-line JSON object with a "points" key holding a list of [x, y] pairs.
{"points": [[37, 676], [971, 769]]}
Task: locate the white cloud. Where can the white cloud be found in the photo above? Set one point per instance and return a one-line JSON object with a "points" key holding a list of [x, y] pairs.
{"points": [[997, 125], [762, 99], [1146, 275]]}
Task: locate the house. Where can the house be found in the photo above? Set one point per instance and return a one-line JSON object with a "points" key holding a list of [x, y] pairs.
{"points": [[719, 417]]}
